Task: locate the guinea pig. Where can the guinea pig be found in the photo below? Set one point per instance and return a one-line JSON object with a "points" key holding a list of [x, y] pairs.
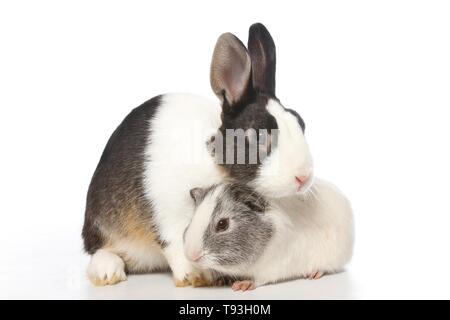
{"points": [[239, 233], [138, 202]]}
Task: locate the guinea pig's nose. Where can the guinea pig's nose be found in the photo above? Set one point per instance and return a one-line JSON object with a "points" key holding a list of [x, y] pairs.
{"points": [[195, 257]]}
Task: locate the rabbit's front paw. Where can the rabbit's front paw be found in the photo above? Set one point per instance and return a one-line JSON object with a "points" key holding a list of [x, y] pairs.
{"points": [[195, 279]]}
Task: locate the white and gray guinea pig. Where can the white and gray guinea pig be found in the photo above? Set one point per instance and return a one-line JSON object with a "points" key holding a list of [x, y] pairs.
{"points": [[239, 233]]}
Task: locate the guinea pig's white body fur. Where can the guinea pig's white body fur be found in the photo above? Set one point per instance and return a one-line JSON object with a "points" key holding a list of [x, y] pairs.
{"points": [[313, 235]]}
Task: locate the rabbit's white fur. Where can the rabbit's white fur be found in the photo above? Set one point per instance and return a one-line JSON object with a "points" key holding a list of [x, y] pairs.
{"points": [[290, 158], [178, 162]]}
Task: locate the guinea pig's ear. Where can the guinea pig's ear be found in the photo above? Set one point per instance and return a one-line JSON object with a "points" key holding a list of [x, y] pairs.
{"points": [[256, 203], [230, 70], [197, 194], [261, 48]]}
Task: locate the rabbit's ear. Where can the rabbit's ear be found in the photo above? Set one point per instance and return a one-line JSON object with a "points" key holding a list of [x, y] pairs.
{"points": [[261, 48], [230, 69]]}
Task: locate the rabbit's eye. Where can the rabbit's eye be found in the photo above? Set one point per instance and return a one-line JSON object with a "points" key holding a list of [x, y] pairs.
{"points": [[222, 225]]}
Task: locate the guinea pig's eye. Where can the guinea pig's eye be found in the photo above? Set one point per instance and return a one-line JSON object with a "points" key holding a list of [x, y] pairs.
{"points": [[222, 225]]}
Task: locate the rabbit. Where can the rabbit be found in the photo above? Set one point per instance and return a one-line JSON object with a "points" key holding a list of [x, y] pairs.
{"points": [[138, 203], [241, 234]]}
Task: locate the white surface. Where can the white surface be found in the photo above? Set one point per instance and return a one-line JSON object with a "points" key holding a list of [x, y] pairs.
{"points": [[371, 80]]}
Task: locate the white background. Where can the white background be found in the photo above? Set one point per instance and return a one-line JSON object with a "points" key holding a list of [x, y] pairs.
{"points": [[370, 78]]}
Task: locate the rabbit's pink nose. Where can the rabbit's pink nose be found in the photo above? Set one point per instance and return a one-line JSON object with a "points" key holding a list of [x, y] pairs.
{"points": [[300, 180]]}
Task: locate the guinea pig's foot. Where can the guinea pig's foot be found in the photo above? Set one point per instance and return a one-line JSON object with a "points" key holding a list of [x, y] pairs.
{"points": [[315, 275], [243, 285], [106, 268], [223, 281]]}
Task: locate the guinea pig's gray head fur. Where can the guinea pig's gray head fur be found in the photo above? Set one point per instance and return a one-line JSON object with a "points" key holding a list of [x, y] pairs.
{"points": [[229, 229]]}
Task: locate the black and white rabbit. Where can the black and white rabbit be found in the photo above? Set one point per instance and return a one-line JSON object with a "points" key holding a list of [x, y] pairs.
{"points": [[259, 240], [138, 203]]}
